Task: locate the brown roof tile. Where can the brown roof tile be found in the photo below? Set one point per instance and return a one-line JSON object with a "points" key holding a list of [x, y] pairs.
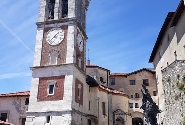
{"points": [[127, 74], [140, 70], [118, 74], [95, 66], [113, 91], [25, 93]]}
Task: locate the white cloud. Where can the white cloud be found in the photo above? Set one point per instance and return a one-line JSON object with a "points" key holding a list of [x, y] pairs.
{"points": [[13, 75]]}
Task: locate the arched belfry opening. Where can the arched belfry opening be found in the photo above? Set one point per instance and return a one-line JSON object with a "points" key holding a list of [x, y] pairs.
{"points": [[64, 8], [51, 7]]}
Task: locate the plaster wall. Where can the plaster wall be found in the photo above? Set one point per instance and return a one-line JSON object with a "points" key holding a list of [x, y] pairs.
{"points": [[121, 102], [15, 107], [96, 73]]}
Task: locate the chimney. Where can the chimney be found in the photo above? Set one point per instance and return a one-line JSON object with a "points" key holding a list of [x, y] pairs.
{"points": [[88, 62]]}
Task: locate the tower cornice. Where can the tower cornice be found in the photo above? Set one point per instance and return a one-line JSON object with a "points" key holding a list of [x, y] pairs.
{"points": [[63, 20]]}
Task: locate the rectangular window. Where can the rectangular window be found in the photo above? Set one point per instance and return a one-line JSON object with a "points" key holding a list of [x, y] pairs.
{"points": [[131, 96], [51, 89], [64, 8], [89, 105], [48, 119], [112, 80], [78, 92], [155, 93], [89, 122], [27, 101], [132, 82], [175, 54], [23, 120], [131, 105], [103, 108], [146, 82], [3, 117], [136, 95], [136, 105]]}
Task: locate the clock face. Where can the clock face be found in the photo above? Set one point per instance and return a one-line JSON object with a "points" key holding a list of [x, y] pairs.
{"points": [[80, 42], [55, 36]]}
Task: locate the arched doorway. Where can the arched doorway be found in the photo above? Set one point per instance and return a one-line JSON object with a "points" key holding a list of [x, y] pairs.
{"points": [[137, 121], [119, 121]]}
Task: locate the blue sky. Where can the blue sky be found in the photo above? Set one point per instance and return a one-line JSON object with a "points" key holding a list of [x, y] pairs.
{"points": [[121, 34]]}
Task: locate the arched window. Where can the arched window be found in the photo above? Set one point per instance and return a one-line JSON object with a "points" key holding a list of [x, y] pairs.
{"points": [[51, 7], [64, 8], [119, 121], [53, 55], [101, 79]]}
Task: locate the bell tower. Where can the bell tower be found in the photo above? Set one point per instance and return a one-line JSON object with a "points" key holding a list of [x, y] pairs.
{"points": [[58, 72]]}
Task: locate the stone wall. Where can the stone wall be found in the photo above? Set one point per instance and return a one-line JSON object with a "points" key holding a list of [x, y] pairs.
{"points": [[173, 79]]}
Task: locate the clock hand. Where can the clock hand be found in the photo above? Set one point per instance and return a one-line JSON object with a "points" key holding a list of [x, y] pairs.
{"points": [[53, 37]]}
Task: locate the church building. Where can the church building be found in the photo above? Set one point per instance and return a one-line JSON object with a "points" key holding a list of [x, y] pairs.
{"points": [[61, 93]]}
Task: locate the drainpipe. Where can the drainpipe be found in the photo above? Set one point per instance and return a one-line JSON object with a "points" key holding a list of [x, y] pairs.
{"points": [[108, 108], [98, 108], [108, 78]]}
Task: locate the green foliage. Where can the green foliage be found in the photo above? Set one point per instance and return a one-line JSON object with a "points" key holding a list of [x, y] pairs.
{"points": [[173, 85], [177, 83], [168, 79], [178, 76], [181, 86]]}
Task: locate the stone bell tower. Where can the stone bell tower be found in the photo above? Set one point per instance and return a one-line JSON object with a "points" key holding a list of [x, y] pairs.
{"points": [[58, 72]]}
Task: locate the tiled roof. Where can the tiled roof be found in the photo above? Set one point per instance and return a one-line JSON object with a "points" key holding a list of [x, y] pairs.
{"points": [[127, 74], [113, 91], [26, 93], [140, 70], [95, 66], [5, 123], [170, 21], [118, 74]]}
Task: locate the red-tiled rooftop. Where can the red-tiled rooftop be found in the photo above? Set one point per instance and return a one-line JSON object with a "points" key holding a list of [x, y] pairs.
{"points": [[4, 123], [113, 91], [134, 72], [118, 74], [96, 66], [25, 93]]}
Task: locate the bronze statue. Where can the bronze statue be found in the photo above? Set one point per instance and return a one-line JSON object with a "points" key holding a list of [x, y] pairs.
{"points": [[149, 106]]}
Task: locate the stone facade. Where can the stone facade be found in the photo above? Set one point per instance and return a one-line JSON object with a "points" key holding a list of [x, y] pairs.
{"points": [[173, 78]]}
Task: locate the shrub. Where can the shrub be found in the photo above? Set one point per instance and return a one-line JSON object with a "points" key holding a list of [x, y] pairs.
{"points": [[173, 85], [168, 79], [178, 76], [177, 83], [181, 86]]}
